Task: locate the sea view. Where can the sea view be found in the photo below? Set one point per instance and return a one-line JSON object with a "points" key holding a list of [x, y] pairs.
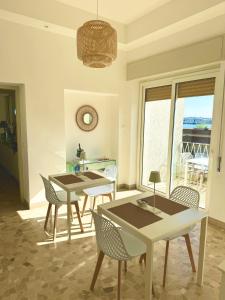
{"points": [[192, 126], [197, 122]]}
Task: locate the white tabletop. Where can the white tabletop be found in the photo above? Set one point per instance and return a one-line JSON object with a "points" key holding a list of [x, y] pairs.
{"points": [[159, 230], [202, 161], [79, 186]]}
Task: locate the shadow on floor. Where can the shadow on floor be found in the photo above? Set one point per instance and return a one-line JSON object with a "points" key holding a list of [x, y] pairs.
{"points": [[9, 194]]}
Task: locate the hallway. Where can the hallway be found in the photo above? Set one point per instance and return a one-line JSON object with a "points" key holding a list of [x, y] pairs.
{"points": [[9, 194]]}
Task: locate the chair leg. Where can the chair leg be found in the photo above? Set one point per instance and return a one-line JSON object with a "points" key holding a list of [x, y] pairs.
{"points": [[119, 279], [125, 266], [188, 243], [110, 197], [97, 269], [47, 216], [84, 206], [71, 217], [78, 216], [94, 203], [142, 257], [165, 263], [55, 222]]}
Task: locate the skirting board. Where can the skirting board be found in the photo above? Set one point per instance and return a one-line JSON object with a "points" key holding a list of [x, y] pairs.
{"points": [[125, 186], [217, 222]]}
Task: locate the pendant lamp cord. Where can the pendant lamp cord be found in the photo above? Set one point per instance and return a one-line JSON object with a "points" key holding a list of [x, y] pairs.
{"points": [[97, 9]]}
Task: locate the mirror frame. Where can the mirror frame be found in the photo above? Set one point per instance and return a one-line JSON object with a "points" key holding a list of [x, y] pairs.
{"points": [[86, 109]]}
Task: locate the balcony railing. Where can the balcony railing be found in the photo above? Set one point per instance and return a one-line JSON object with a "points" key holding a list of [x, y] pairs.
{"points": [[196, 149]]}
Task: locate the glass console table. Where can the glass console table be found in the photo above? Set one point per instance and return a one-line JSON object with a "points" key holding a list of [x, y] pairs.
{"points": [[92, 164]]}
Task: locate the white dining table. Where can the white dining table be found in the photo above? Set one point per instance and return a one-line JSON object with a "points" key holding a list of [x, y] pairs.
{"points": [[167, 226], [80, 186]]}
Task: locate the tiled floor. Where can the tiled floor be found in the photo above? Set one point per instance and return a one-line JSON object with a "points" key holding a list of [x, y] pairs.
{"points": [[33, 267]]}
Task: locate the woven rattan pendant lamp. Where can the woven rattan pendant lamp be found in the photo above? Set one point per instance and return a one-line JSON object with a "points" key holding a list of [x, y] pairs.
{"points": [[96, 43]]}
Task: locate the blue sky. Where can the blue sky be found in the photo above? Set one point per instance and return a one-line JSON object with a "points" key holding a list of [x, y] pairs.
{"points": [[198, 106]]}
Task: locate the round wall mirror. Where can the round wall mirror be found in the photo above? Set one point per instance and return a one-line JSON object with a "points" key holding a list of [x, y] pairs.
{"points": [[86, 118]]}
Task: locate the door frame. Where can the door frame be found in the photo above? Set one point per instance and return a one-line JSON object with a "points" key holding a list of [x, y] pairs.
{"points": [[217, 71]]}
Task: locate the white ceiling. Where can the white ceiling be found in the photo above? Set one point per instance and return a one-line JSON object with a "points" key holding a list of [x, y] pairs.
{"points": [[123, 11], [164, 25]]}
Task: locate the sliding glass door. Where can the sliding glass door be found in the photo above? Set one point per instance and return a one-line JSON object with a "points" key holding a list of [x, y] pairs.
{"points": [[192, 134], [156, 135], [177, 135]]}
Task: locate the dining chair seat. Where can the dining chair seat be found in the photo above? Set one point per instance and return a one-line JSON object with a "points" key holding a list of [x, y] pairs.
{"points": [[134, 246], [180, 233], [110, 172], [62, 197], [99, 190]]}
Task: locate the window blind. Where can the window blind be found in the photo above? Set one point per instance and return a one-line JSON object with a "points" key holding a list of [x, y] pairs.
{"points": [[158, 93], [202, 87]]}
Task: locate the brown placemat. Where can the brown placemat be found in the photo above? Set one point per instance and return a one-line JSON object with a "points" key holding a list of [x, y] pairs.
{"points": [[134, 215], [167, 206], [92, 175], [69, 179]]}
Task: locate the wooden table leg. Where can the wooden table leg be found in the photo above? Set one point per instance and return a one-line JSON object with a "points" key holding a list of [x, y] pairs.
{"points": [[68, 215], [201, 258], [149, 270]]}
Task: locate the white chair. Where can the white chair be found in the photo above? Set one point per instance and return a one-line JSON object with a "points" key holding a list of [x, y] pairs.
{"points": [[58, 198], [115, 243], [103, 190], [188, 197]]}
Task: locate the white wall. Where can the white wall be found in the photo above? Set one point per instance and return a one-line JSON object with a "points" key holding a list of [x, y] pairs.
{"points": [[103, 140], [46, 64], [178, 59]]}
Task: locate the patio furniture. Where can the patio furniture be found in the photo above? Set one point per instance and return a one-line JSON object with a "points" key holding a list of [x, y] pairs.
{"points": [[115, 243], [103, 190], [58, 198], [151, 228], [184, 170], [199, 167]]}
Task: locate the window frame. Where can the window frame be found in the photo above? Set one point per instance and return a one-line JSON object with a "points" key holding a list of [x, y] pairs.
{"points": [[217, 71]]}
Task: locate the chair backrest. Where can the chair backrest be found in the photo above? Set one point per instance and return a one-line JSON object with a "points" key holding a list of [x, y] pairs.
{"points": [[184, 156], [186, 196], [111, 171], [108, 238], [50, 193]]}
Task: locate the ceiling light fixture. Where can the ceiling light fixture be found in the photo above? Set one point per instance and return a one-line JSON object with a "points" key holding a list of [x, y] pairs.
{"points": [[97, 43]]}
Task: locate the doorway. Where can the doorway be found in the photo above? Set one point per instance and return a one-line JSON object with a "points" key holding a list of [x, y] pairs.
{"points": [[176, 131], [9, 167]]}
